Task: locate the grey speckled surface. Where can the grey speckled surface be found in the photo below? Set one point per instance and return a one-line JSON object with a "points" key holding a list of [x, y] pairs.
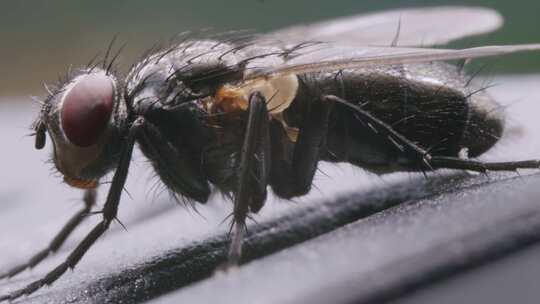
{"points": [[443, 224]]}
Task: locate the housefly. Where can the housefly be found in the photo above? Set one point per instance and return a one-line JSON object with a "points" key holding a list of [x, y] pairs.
{"points": [[244, 113]]}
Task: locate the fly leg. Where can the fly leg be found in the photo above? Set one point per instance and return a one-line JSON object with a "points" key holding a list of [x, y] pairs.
{"points": [[252, 174], [172, 165], [109, 212], [423, 156], [294, 178], [479, 166], [89, 201]]}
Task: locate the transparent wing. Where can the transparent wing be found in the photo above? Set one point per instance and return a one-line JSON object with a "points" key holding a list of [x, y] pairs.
{"points": [[331, 57], [417, 27]]}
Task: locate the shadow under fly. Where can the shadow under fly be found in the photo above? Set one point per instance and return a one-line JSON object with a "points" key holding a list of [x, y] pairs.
{"points": [[244, 112]]}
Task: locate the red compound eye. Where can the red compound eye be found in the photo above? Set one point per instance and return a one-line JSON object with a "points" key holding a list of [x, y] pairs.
{"points": [[86, 109]]}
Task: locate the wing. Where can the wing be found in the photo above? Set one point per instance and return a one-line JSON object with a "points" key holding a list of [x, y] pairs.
{"points": [[416, 26], [332, 57]]}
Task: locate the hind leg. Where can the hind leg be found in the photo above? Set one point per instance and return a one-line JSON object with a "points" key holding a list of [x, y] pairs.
{"points": [[422, 157]]}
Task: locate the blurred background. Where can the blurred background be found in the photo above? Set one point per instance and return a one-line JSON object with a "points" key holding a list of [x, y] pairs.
{"points": [[41, 39]]}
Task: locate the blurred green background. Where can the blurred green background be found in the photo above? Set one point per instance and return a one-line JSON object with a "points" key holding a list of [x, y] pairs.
{"points": [[41, 39]]}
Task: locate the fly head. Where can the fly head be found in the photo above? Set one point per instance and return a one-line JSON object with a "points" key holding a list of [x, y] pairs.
{"points": [[85, 118]]}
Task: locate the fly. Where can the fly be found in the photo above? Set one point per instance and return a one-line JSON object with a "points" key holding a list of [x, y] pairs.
{"points": [[243, 114]]}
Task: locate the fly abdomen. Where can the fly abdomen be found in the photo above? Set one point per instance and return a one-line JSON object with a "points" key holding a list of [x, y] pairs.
{"points": [[429, 104], [485, 124]]}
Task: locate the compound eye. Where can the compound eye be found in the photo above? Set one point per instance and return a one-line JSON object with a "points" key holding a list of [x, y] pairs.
{"points": [[86, 108]]}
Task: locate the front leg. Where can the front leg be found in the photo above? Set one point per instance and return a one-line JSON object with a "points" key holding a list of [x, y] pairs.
{"points": [[109, 212], [89, 201], [253, 172]]}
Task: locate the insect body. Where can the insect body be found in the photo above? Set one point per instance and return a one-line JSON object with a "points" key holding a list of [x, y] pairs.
{"points": [[243, 115]]}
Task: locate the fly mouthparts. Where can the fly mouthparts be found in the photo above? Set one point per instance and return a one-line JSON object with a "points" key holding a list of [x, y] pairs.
{"points": [[81, 183]]}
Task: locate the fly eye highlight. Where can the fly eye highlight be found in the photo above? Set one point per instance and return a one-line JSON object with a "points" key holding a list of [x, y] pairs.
{"points": [[86, 108]]}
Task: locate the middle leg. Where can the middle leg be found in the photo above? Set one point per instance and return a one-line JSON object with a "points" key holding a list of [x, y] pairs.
{"points": [[288, 178], [252, 172]]}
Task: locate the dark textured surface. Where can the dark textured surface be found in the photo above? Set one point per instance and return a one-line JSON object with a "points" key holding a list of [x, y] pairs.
{"points": [[512, 279], [390, 253], [346, 249]]}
